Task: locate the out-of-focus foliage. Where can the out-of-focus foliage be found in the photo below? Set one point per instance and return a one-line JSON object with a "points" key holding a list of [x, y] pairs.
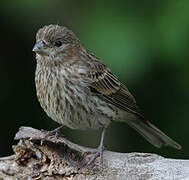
{"points": [[145, 43]]}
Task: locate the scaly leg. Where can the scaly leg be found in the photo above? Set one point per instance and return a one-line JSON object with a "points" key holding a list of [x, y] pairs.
{"points": [[97, 152], [56, 132]]}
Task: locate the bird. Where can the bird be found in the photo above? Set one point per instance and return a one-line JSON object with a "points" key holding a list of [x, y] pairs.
{"points": [[78, 90]]}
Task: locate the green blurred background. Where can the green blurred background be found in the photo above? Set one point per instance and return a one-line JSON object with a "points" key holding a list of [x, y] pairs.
{"points": [[145, 43]]}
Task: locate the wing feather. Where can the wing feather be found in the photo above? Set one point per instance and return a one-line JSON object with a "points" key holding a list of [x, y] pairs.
{"points": [[107, 86]]}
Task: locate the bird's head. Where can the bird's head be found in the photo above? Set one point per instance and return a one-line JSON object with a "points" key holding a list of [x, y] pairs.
{"points": [[56, 41]]}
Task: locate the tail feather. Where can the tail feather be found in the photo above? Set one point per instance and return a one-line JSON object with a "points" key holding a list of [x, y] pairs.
{"points": [[153, 134]]}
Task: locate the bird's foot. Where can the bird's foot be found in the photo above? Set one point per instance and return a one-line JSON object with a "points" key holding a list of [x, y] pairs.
{"points": [[56, 132], [93, 154]]}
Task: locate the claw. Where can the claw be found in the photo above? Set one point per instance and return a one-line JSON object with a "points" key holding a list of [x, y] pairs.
{"points": [[56, 132], [96, 153]]}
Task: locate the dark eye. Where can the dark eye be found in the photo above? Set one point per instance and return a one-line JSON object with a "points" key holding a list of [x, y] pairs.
{"points": [[58, 43]]}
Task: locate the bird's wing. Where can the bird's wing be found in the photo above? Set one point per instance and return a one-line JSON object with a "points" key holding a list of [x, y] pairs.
{"points": [[107, 86]]}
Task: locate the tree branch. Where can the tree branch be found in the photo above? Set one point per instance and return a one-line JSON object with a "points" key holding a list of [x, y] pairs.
{"points": [[58, 158]]}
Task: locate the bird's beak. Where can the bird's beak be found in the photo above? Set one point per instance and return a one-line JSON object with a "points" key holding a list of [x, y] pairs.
{"points": [[40, 47]]}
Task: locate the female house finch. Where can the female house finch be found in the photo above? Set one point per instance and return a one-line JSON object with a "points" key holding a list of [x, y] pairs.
{"points": [[76, 89]]}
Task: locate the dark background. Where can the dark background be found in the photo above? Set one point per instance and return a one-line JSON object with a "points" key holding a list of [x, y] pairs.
{"points": [[145, 43]]}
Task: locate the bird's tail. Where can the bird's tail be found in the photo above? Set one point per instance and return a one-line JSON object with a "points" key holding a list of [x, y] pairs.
{"points": [[152, 133]]}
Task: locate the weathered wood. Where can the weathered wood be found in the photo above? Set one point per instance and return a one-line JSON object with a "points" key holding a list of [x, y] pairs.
{"points": [[57, 158]]}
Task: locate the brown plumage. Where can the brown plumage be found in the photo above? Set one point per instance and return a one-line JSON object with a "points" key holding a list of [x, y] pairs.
{"points": [[76, 89]]}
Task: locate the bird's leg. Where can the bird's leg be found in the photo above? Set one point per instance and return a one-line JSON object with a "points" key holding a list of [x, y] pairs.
{"points": [[56, 132], [97, 152], [101, 145]]}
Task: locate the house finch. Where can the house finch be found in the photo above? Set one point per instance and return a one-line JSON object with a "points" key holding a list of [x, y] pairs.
{"points": [[76, 89]]}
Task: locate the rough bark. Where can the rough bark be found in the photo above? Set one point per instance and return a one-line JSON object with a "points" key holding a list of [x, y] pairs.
{"points": [[57, 158]]}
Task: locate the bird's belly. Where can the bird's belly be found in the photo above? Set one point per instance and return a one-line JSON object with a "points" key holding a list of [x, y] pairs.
{"points": [[76, 115], [74, 108], [67, 102]]}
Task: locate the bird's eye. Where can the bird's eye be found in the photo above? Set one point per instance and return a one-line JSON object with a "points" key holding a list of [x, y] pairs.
{"points": [[58, 43]]}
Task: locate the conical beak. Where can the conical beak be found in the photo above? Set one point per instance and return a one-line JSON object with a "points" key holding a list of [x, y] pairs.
{"points": [[39, 47]]}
